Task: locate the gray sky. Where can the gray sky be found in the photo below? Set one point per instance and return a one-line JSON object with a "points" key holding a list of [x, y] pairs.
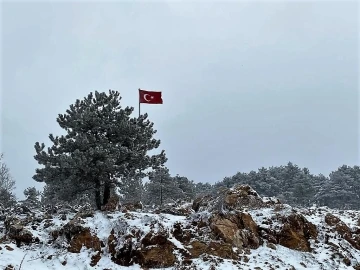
{"points": [[245, 84]]}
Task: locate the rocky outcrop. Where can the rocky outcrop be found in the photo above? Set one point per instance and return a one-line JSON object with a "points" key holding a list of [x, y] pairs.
{"points": [[222, 250], [84, 239], [239, 230], [16, 231], [343, 230], [239, 197], [213, 229], [296, 233]]}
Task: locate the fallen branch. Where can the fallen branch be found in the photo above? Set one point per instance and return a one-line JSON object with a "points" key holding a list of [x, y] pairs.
{"points": [[22, 261]]}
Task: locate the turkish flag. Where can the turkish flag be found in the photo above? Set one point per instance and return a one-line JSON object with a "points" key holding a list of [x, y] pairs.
{"points": [[150, 97]]}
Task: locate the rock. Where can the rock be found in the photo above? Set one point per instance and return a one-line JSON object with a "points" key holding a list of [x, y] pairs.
{"points": [[331, 220], [84, 212], [156, 251], [112, 205], [197, 248], [24, 236], [152, 239], [347, 261], [222, 250], [17, 232], [157, 256], [84, 238], [184, 236], [201, 202], [9, 248], [242, 196], [95, 259], [239, 230], [343, 230], [125, 255], [73, 227], [340, 226], [296, 232], [271, 245], [112, 243]]}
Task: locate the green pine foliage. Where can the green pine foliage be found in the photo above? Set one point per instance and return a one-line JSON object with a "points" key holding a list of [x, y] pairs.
{"points": [[102, 145]]}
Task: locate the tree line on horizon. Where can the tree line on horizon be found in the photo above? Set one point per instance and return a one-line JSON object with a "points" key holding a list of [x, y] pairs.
{"points": [[105, 152]]}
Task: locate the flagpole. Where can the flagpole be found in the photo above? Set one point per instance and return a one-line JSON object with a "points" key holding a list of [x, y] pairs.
{"points": [[140, 169], [139, 102]]}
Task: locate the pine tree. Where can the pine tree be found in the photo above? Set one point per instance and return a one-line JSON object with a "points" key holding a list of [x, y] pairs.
{"points": [[203, 189], [186, 186], [32, 197], [162, 188], [102, 145], [132, 189]]}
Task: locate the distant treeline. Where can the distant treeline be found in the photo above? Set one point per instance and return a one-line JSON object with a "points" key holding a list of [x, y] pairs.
{"points": [[291, 184]]}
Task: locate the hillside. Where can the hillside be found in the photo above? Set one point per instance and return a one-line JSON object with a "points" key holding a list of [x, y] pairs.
{"points": [[235, 230]]}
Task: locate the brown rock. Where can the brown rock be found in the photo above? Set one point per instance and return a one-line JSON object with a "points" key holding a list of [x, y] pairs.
{"points": [[152, 239], [222, 250], [296, 232], [241, 196], [339, 225], [184, 236], [157, 256], [9, 248], [201, 202], [17, 232], [112, 243], [226, 230], [331, 220], [239, 230], [95, 259], [197, 248], [353, 240], [84, 238], [347, 261], [342, 229]]}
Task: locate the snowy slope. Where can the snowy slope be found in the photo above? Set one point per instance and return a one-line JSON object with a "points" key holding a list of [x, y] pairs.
{"points": [[337, 253]]}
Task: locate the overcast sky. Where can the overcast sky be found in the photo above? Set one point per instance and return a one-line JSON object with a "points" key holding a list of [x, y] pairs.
{"points": [[245, 84]]}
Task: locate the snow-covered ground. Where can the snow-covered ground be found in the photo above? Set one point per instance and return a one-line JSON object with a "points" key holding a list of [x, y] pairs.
{"points": [[323, 256]]}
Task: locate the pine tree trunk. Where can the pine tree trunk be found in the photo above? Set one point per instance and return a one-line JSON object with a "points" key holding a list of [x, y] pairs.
{"points": [[106, 193], [98, 195]]}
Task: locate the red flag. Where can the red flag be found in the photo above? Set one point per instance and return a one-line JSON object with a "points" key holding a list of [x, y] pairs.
{"points": [[150, 97]]}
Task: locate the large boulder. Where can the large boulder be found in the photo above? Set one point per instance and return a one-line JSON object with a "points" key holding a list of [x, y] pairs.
{"points": [[222, 250], [84, 239], [296, 233], [77, 236], [156, 251], [240, 230], [343, 230], [238, 198], [16, 231]]}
